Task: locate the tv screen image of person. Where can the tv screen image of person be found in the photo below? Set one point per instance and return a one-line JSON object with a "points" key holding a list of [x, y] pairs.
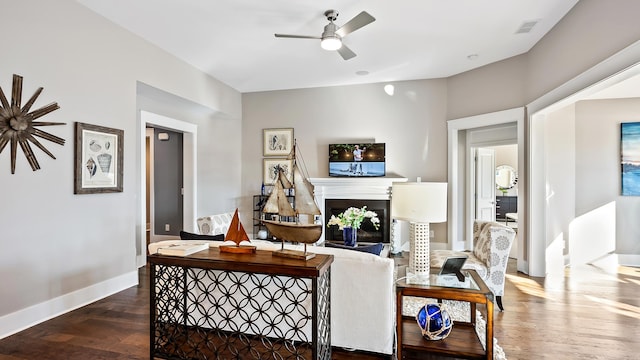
{"points": [[357, 160]]}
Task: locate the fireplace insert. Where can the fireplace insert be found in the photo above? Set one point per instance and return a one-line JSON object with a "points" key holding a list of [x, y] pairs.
{"points": [[366, 233]]}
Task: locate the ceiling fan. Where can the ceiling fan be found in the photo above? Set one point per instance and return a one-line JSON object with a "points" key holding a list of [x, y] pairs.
{"points": [[331, 38]]}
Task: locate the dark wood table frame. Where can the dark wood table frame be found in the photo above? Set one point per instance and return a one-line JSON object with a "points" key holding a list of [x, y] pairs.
{"points": [[194, 283], [463, 342]]}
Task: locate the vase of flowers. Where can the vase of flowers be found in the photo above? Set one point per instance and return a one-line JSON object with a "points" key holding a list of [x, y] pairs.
{"points": [[350, 221]]}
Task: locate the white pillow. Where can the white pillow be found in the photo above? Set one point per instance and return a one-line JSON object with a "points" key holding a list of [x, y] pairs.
{"points": [[214, 224]]}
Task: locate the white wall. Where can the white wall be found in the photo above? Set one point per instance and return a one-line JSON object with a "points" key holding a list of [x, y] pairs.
{"points": [[560, 153], [598, 171], [62, 250], [585, 212]]}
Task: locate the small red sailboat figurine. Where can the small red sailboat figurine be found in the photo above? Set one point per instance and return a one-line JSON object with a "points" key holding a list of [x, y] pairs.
{"points": [[237, 234]]}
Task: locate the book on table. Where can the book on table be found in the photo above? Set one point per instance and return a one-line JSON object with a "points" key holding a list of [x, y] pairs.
{"points": [[182, 249]]}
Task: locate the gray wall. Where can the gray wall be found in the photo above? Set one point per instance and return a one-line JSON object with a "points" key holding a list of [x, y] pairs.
{"points": [[68, 249], [412, 123], [493, 87], [590, 33], [217, 146]]}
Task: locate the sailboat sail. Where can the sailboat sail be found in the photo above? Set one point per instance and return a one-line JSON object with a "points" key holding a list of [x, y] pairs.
{"points": [[277, 202], [286, 184], [305, 204], [236, 232]]}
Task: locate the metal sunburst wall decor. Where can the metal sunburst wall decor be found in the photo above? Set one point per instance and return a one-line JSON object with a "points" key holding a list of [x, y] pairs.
{"points": [[17, 125]]}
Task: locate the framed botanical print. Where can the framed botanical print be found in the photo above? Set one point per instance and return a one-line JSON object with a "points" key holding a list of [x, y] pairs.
{"points": [[270, 169], [98, 159], [277, 142]]}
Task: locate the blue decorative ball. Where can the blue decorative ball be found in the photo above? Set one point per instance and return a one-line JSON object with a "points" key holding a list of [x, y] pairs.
{"points": [[434, 321]]}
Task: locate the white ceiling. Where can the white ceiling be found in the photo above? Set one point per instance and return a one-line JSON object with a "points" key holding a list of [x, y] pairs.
{"points": [[233, 40]]}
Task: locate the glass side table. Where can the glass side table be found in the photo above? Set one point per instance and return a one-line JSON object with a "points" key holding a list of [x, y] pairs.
{"points": [[463, 341]]}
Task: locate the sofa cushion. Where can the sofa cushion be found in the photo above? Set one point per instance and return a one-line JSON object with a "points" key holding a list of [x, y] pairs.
{"points": [[372, 249], [191, 236]]}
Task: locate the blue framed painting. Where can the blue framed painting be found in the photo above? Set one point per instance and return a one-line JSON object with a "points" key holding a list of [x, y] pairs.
{"points": [[630, 158]]}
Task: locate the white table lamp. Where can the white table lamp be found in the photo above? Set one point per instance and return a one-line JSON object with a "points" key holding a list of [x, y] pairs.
{"points": [[420, 203]]}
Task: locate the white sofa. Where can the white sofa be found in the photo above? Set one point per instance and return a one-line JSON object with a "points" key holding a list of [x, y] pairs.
{"points": [[362, 295]]}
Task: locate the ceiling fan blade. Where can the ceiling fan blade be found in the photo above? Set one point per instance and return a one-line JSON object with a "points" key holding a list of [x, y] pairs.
{"points": [[297, 36], [356, 23], [345, 52]]}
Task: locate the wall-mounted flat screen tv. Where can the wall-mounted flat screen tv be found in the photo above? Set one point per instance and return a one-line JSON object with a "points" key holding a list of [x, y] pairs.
{"points": [[357, 160]]}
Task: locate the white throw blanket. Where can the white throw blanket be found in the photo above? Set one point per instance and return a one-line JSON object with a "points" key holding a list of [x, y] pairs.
{"points": [[362, 296]]}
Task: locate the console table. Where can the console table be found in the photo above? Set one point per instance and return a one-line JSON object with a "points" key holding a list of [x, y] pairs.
{"points": [[212, 305], [462, 342]]}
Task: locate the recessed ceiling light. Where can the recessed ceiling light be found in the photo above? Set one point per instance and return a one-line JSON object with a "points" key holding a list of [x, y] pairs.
{"points": [[389, 89], [472, 56], [362, 72]]}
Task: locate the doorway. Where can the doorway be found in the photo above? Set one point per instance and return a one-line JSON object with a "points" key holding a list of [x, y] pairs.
{"points": [[615, 77], [189, 136], [496, 186], [164, 184], [465, 135], [620, 73]]}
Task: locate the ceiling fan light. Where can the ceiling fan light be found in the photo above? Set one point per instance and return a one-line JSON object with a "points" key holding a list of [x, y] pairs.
{"points": [[331, 43]]}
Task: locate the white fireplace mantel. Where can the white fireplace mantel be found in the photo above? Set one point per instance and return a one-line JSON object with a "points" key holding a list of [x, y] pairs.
{"points": [[365, 188], [361, 188]]}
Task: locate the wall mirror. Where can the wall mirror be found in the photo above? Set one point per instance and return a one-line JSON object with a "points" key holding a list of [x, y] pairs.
{"points": [[506, 177]]}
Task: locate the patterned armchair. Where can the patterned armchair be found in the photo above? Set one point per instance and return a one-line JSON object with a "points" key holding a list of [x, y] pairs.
{"points": [[214, 224], [491, 245]]}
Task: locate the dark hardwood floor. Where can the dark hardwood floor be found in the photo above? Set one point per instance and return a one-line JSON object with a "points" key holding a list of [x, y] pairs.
{"points": [[588, 313]]}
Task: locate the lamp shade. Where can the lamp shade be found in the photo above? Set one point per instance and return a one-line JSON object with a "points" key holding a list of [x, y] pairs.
{"points": [[331, 43], [419, 201]]}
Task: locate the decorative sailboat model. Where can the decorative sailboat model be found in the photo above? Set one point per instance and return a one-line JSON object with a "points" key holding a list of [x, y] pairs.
{"points": [[294, 231], [237, 234]]}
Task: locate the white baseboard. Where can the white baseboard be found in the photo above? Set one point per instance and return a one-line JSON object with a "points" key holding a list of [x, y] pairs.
{"points": [[141, 260], [629, 260], [33, 315]]}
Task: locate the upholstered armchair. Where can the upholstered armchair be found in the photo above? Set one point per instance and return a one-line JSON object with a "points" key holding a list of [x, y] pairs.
{"points": [[491, 245], [214, 224]]}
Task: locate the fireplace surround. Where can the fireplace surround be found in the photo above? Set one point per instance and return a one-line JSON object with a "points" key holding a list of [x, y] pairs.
{"points": [[355, 191]]}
